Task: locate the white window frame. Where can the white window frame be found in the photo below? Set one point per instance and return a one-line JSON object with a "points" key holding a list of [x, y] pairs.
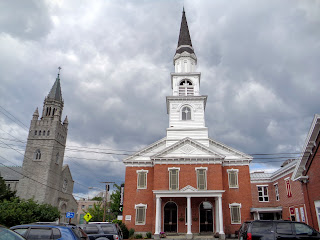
{"points": [[178, 170], [191, 113], [138, 173], [139, 206], [231, 205], [276, 191], [229, 171], [263, 195], [184, 88], [206, 177]]}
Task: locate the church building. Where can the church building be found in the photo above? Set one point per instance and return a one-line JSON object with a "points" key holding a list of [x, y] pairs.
{"points": [[186, 182], [43, 176]]}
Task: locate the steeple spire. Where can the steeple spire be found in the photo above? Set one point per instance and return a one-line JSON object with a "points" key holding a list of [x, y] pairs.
{"points": [[55, 92], [184, 42]]}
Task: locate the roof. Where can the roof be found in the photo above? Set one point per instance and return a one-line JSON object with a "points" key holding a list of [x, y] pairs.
{"points": [[306, 152], [55, 92], [184, 42], [11, 173]]}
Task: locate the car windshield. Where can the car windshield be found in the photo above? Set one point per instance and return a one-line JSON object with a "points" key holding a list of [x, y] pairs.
{"points": [[6, 234]]}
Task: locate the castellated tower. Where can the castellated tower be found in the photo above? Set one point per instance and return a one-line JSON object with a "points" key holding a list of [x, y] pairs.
{"points": [[42, 166]]}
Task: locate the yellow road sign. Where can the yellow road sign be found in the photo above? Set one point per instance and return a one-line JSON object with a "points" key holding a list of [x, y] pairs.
{"points": [[87, 217]]}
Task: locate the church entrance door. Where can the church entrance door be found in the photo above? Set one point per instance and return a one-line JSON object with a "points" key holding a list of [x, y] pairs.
{"points": [[206, 220], [170, 217]]}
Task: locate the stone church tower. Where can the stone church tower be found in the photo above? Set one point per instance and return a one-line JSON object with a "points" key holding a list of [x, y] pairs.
{"points": [[42, 166]]}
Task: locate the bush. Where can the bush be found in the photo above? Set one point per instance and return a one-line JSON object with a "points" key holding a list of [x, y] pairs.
{"points": [[138, 236], [131, 232], [148, 234]]}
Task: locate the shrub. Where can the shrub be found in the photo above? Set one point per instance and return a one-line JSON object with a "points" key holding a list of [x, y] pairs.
{"points": [[131, 232], [138, 236], [148, 234]]}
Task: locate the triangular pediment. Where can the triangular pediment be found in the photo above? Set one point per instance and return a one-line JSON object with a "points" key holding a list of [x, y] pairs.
{"points": [[187, 148], [188, 189]]}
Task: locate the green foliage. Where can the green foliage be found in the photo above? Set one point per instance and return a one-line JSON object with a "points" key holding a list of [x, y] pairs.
{"points": [[5, 192], [96, 212], [15, 212], [115, 199], [131, 232], [100, 199], [138, 236], [148, 234]]}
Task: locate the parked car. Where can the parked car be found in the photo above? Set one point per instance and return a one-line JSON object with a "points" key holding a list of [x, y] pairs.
{"points": [[102, 231], [7, 234], [46, 231], [276, 229]]}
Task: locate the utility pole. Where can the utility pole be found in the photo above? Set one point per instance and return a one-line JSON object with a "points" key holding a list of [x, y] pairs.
{"points": [[105, 199]]}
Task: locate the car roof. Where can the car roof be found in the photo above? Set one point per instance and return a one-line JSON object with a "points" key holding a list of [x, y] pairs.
{"points": [[43, 226]]}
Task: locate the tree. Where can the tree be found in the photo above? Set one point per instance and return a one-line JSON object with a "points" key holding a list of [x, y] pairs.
{"points": [[15, 212], [96, 212], [115, 199], [100, 199], [5, 192]]}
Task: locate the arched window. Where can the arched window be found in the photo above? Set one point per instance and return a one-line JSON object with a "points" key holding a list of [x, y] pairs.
{"points": [[48, 133], [186, 88], [44, 133], [186, 113], [37, 154], [40, 133], [53, 111], [49, 111], [35, 132]]}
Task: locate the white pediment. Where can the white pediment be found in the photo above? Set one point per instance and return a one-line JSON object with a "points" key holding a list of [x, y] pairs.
{"points": [[188, 189], [188, 148]]}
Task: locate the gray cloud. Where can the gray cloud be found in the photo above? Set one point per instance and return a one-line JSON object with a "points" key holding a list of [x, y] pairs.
{"points": [[258, 62]]}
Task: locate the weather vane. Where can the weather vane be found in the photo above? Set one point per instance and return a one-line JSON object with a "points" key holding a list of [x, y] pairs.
{"points": [[59, 71]]}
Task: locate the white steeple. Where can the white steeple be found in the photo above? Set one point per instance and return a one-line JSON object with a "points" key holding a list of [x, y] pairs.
{"points": [[186, 106]]}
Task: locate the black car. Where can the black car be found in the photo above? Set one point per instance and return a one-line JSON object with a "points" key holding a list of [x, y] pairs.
{"points": [[102, 231], [275, 230]]}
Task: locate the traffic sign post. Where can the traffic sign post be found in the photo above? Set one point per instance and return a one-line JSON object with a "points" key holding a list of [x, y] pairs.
{"points": [[70, 215]]}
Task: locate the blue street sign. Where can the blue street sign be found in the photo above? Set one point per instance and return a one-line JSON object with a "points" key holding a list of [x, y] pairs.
{"points": [[70, 215]]}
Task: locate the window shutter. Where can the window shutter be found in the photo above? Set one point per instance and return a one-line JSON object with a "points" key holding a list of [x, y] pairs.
{"points": [[201, 179], [140, 215], [235, 214], [142, 179], [233, 179], [173, 179]]}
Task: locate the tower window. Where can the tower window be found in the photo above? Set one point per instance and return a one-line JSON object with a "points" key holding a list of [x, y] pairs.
{"points": [[48, 133], [186, 88], [57, 158], [49, 111], [44, 133], [53, 111], [186, 113], [37, 155], [40, 133], [35, 132]]}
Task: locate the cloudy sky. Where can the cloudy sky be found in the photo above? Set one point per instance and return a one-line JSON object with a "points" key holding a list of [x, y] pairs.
{"points": [[259, 62]]}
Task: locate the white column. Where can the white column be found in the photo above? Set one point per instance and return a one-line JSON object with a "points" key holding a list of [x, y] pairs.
{"points": [[158, 207], [217, 229], [160, 211], [220, 216], [189, 215]]}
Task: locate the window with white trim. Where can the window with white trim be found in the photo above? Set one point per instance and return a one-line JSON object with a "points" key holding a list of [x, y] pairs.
{"points": [[202, 178], [186, 113], [141, 213], [186, 88], [263, 193], [233, 178], [276, 190], [142, 179], [174, 178], [235, 213]]}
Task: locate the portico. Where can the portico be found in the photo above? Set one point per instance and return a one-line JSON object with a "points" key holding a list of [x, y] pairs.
{"points": [[189, 193]]}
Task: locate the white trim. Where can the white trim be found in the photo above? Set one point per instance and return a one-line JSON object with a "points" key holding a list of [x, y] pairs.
{"points": [[136, 206], [276, 183], [230, 171], [263, 195], [265, 185], [174, 168], [146, 183], [206, 177], [235, 205], [286, 178]]}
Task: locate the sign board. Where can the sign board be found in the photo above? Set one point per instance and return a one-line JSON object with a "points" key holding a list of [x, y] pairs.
{"points": [[87, 217], [128, 217], [120, 209], [70, 215], [121, 194], [303, 219]]}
